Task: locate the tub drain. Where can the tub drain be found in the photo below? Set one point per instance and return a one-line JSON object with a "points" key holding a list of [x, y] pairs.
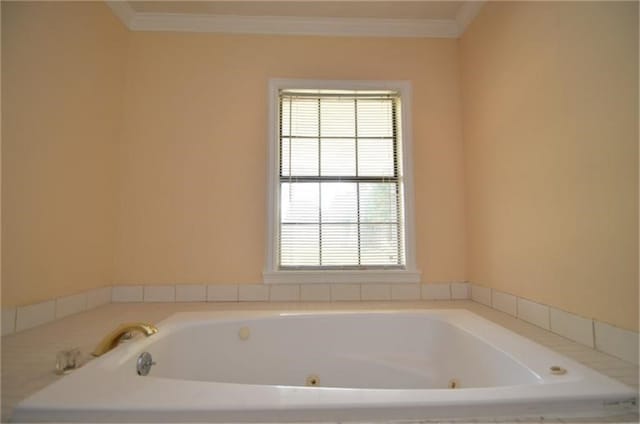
{"points": [[454, 383], [556, 370], [313, 380]]}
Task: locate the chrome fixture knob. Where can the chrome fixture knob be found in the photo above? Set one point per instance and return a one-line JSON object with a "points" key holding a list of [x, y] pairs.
{"points": [[144, 363]]}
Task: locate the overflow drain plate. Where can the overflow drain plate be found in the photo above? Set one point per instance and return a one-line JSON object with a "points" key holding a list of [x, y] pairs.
{"points": [[144, 363]]}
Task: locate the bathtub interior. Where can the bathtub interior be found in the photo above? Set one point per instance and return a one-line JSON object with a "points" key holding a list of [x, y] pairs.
{"points": [[354, 351]]}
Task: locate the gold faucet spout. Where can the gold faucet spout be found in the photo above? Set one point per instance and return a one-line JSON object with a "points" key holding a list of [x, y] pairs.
{"points": [[112, 339]]}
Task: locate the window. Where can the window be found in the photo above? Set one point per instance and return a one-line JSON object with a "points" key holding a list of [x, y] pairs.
{"points": [[340, 205]]}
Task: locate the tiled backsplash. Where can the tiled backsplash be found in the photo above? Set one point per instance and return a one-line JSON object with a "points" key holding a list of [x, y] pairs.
{"points": [[587, 331], [290, 292], [604, 337], [25, 317]]}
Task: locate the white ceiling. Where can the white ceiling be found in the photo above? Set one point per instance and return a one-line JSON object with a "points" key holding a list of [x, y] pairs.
{"points": [[333, 9], [439, 19]]}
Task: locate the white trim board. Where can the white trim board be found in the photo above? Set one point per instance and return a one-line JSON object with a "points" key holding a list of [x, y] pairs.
{"points": [[294, 25]]}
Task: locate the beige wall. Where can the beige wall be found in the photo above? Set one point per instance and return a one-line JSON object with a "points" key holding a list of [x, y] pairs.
{"points": [[0, 161], [550, 95], [139, 158], [193, 158], [62, 79]]}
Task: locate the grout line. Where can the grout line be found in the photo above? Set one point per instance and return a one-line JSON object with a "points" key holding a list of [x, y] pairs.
{"points": [[15, 321], [491, 298]]}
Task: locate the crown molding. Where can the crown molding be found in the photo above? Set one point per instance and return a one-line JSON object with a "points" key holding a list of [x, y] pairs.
{"points": [[467, 13], [285, 25], [289, 25], [123, 10]]}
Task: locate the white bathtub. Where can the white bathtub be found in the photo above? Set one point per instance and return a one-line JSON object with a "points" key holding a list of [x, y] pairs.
{"points": [[394, 365]]}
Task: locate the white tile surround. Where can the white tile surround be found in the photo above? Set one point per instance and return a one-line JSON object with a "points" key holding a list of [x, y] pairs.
{"points": [[375, 292], [572, 326], [405, 292], [29, 316], [436, 291], [481, 295], [191, 293], [8, 321], [504, 302], [284, 293], [253, 293], [98, 297], [33, 315], [222, 293], [597, 335], [315, 293], [616, 341], [535, 313], [345, 292], [127, 294], [159, 294], [460, 290], [70, 305], [586, 331]]}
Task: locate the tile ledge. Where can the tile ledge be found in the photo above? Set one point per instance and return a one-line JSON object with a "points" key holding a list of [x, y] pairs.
{"points": [[594, 324]]}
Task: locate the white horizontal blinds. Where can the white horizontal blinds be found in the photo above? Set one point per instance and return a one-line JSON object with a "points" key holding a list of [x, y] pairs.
{"points": [[340, 181]]}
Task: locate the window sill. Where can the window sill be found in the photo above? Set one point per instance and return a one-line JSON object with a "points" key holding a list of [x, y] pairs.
{"points": [[333, 276]]}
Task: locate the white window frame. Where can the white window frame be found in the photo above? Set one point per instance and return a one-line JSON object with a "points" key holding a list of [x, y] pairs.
{"points": [[271, 274]]}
